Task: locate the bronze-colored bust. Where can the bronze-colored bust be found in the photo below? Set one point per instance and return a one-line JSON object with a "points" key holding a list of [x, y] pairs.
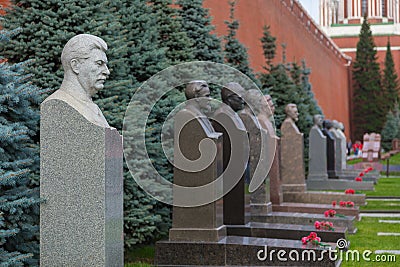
{"points": [[231, 94]]}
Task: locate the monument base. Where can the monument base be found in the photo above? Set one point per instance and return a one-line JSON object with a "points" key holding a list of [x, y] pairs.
{"points": [[305, 219], [201, 234], [260, 208], [323, 197], [242, 251], [339, 184], [284, 231], [317, 176], [315, 208], [293, 187]]}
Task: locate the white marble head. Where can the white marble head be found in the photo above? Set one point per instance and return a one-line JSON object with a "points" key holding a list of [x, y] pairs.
{"points": [[85, 63], [318, 120]]}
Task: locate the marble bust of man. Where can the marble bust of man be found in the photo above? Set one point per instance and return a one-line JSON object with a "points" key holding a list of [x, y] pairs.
{"points": [[318, 121], [266, 114], [85, 70], [292, 115]]}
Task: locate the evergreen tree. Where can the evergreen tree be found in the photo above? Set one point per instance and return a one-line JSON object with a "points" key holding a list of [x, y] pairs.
{"points": [[390, 82], [367, 99], [171, 32], [196, 22], [288, 83], [235, 52], [391, 128], [269, 45], [19, 197]]}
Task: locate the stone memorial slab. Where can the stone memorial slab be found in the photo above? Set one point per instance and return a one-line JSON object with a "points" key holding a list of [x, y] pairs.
{"points": [[330, 149], [81, 220], [339, 152], [235, 153], [191, 128], [260, 140], [292, 153], [317, 169], [340, 177]]}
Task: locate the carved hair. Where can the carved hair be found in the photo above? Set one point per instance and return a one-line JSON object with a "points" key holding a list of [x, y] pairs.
{"points": [[317, 117], [289, 107], [79, 47]]}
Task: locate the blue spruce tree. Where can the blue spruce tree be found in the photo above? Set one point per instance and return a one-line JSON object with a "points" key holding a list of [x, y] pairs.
{"points": [[19, 157]]}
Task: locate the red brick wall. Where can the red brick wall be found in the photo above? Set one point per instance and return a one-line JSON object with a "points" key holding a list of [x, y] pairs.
{"points": [[4, 3], [329, 77]]}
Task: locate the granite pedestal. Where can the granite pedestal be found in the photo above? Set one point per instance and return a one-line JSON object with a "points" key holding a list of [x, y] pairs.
{"points": [[81, 220], [317, 167], [260, 140], [242, 251], [196, 222], [235, 159]]}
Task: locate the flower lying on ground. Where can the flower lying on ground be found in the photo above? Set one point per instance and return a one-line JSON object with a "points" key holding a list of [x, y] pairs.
{"points": [[313, 239], [332, 213], [349, 191], [348, 204], [334, 203], [368, 169], [358, 179], [324, 225], [361, 174]]}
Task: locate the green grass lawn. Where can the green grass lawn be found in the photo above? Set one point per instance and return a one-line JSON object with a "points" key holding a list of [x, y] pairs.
{"points": [[386, 187], [354, 161], [394, 160], [141, 256], [366, 238], [382, 205]]}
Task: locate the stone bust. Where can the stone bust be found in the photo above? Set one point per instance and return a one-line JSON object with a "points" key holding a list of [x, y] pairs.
{"points": [[327, 126], [292, 115], [271, 106], [85, 70], [230, 97], [198, 94], [335, 124], [318, 121], [292, 112]]}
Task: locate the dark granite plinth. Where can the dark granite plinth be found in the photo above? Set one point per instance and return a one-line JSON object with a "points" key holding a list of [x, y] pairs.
{"points": [[305, 219], [323, 197], [241, 251], [284, 231], [315, 208], [339, 184]]}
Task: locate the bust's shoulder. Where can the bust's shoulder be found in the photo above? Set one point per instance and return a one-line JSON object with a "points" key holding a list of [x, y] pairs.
{"points": [[60, 95]]}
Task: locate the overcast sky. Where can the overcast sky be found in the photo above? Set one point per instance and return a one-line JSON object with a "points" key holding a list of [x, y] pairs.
{"points": [[312, 7]]}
